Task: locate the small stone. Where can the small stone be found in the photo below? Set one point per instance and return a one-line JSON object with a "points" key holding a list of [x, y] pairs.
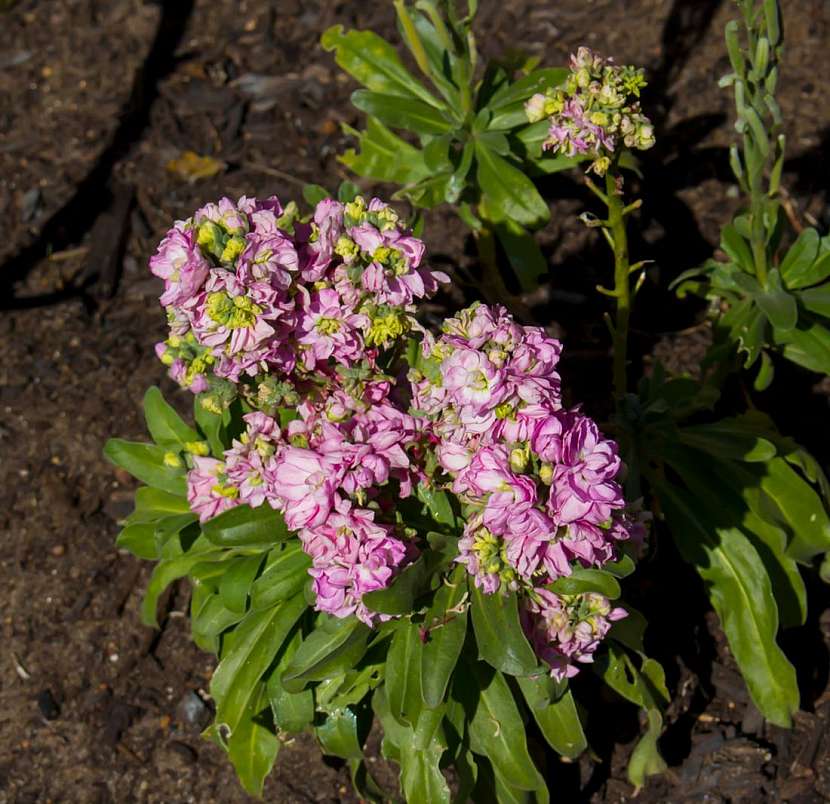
{"points": [[58, 550], [192, 712]]}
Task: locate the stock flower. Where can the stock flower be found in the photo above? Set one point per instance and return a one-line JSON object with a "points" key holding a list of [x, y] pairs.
{"points": [[208, 490], [251, 463], [351, 555], [596, 111], [268, 295], [328, 328], [305, 484], [179, 262], [484, 555], [566, 629], [583, 485]]}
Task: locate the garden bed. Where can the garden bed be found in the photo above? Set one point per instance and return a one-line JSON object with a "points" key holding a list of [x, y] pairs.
{"points": [[97, 707]]}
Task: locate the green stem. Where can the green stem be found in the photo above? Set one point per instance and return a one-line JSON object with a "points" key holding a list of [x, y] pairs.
{"points": [[492, 285], [622, 287]]}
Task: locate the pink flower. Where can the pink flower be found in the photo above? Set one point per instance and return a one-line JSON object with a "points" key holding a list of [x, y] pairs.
{"points": [[567, 629], [472, 380], [271, 259], [330, 330], [179, 261], [352, 555], [583, 483], [208, 491], [305, 484], [251, 463]]}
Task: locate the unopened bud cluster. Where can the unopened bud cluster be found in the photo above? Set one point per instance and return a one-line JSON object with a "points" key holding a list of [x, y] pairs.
{"points": [[596, 113]]}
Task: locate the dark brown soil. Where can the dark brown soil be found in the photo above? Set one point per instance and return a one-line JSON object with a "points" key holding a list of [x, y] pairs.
{"points": [[97, 98]]}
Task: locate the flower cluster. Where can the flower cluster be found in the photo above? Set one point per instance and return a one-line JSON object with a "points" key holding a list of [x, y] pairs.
{"points": [[564, 629], [266, 306], [274, 310], [539, 481], [596, 111], [303, 322], [334, 478]]}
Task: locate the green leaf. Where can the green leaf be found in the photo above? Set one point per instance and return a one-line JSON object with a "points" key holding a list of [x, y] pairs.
{"points": [[165, 425], [778, 305], [252, 747], [797, 266], [520, 90], [587, 580], [169, 570], [446, 626], [817, 300], [427, 193], [168, 528], [495, 726], [346, 193], [243, 526], [313, 194], [374, 63], [808, 346], [247, 654], [384, 156], [523, 253], [802, 509], [293, 711], [209, 618], [403, 674], [285, 574], [437, 503], [153, 504], [399, 597], [758, 515], [139, 539], [741, 594], [509, 192], [501, 641], [236, 582], [621, 568], [631, 630], [737, 248], [212, 425], [722, 440], [558, 720], [335, 644], [406, 113], [647, 689], [338, 734], [645, 759], [147, 463], [420, 752]]}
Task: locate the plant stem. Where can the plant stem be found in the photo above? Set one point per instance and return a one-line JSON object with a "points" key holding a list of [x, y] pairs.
{"points": [[622, 287], [492, 285]]}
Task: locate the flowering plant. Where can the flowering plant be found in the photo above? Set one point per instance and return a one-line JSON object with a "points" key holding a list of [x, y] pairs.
{"points": [[357, 488]]}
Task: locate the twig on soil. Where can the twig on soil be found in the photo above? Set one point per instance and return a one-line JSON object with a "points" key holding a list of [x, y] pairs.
{"points": [[68, 254], [24, 674], [269, 171]]}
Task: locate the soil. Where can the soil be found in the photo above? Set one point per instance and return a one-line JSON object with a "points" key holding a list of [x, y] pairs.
{"points": [[98, 98]]}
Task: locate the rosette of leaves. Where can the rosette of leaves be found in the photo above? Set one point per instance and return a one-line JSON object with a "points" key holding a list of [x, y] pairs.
{"points": [[469, 143], [777, 299], [746, 507], [450, 677]]}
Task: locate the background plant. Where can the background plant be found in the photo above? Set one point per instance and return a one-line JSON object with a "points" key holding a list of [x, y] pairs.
{"points": [[776, 291], [747, 542], [474, 145]]}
